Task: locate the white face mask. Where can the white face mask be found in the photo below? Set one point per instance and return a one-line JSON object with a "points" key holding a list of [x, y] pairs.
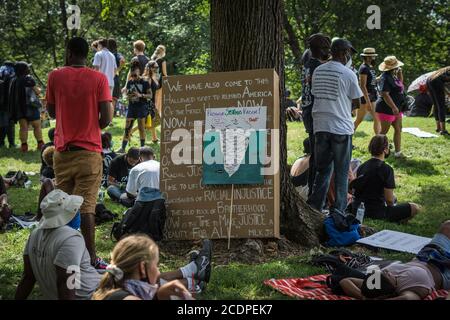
{"points": [[349, 63]]}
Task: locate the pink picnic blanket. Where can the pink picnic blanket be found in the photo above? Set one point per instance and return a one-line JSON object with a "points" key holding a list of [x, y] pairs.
{"points": [[314, 288]]}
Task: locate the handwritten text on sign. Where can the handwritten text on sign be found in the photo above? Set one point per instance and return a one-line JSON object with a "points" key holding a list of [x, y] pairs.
{"points": [[196, 210]]}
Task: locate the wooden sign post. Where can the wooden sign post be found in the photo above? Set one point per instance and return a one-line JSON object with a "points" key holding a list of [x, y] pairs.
{"points": [[218, 211]]}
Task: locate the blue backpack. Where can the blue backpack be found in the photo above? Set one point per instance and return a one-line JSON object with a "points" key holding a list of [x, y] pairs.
{"points": [[338, 237]]}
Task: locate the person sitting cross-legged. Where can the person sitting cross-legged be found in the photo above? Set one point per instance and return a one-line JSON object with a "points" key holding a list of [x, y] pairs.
{"points": [[145, 174], [375, 184], [134, 275], [119, 170], [55, 255]]}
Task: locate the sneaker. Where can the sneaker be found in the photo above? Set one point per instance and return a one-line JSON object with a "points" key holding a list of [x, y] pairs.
{"points": [[193, 255], [399, 155], [199, 287], [444, 133], [24, 147], [203, 262], [100, 264]]}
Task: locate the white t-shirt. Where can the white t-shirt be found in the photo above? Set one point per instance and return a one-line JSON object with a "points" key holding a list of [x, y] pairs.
{"points": [[334, 86], [106, 62], [65, 248], [145, 174]]}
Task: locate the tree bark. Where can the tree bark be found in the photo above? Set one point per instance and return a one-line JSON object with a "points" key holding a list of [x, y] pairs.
{"points": [[63, 8], [248, 34]]}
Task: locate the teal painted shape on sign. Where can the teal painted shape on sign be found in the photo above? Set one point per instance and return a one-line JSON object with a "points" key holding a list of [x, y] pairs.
{"points": [[249, 171]]}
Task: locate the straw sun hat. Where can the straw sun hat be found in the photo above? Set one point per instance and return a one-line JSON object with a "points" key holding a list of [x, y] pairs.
{"points": [[390, 63], [369, 52]]}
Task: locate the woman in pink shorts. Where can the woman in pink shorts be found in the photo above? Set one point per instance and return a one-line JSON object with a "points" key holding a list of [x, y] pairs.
{"points": [[391, 102]]}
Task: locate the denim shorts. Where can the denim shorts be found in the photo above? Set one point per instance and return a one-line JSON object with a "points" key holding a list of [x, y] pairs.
{"points": [[137, 111], [443, 242]]}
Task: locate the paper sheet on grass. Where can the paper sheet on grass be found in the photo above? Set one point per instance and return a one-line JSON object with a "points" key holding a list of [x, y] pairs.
{"points": [[419, 133], [25, 224], [394, 240]]}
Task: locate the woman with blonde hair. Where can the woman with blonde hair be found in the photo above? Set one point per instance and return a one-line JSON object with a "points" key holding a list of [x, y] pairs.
{"points": [[158, 56], [368, 84], [134, 275]]}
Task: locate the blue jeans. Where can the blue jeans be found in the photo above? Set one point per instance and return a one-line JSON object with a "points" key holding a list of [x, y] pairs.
{"points": [[443, 242], [114, 192], [331, 151]]}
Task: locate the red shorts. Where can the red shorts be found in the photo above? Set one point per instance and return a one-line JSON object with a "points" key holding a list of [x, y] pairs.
{"points": [[389, 117]]}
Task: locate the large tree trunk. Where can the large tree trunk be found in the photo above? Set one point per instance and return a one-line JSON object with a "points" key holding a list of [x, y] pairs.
{"points": [[63, 8], [248, 34]]}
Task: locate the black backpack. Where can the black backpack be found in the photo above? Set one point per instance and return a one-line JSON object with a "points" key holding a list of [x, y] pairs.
{"points": [[143, 217]]}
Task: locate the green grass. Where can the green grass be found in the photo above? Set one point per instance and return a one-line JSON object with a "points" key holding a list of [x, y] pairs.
{"points": [[423, 178]]}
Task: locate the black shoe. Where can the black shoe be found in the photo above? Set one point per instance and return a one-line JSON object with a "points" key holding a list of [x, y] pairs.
{"points": [[203, 262], [444, 133]]}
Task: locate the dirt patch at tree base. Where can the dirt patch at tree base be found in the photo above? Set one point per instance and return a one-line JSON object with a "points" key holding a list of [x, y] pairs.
{"points": [[248, 251]]}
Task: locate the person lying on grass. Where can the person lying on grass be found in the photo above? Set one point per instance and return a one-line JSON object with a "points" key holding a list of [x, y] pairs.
{"points": [[428, 271], [375, 184], [134, 275]]}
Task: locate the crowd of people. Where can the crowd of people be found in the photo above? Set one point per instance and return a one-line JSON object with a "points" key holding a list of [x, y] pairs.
{"points": [[331, 91], [79, 160]]}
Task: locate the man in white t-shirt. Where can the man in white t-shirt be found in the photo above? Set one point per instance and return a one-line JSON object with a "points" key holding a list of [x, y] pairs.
{"points": [[334, 86], [55, 255], [145, 174], [105, 62]]}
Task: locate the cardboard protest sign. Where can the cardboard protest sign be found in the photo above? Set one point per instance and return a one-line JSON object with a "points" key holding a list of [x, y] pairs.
{"points": [[197, 111]]}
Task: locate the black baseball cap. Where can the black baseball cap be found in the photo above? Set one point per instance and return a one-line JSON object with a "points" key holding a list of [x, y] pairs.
{"points": [[340, 45]]}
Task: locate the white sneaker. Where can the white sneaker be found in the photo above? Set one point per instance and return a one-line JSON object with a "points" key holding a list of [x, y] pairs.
{"points": [[400, 155]]}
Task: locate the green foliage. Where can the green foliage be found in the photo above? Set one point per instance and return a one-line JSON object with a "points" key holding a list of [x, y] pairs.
{"points": [[416, 31], [35, 31]]}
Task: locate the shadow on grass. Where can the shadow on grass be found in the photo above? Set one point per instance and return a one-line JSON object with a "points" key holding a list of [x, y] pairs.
{"points": [[30, 157], [360, 134], [415, 167]]}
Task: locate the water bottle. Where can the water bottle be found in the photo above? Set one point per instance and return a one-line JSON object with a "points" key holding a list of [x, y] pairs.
{"points": [[28, 184], [101, 196], [360, 212]]}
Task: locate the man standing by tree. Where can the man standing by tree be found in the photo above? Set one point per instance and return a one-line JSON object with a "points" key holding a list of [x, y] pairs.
{"points": [[105, 62], [319, 45], [76, 96], [334, 87]]}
